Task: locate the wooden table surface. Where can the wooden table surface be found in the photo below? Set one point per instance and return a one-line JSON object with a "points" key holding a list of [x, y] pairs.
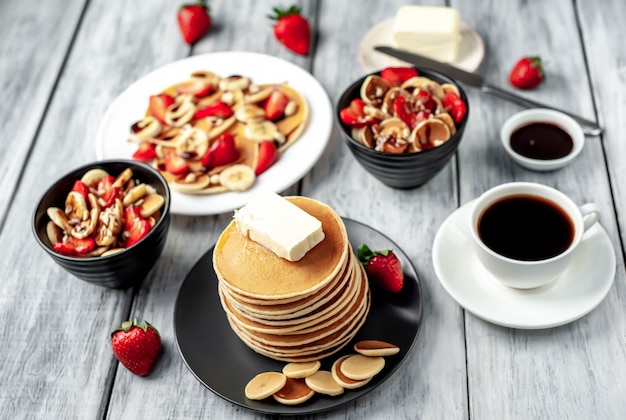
{"points": [[62, 62]]}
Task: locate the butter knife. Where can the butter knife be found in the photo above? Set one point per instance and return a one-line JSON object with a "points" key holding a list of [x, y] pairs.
{"points": [[472, 79]]}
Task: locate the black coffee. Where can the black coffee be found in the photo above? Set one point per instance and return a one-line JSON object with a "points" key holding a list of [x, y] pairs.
{"points": [[526, 227]]}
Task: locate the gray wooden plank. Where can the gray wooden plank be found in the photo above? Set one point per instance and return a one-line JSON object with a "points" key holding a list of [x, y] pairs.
{"points": [[238, 26], [561, 372], [55, 334], [432, 381], [35, 38]]}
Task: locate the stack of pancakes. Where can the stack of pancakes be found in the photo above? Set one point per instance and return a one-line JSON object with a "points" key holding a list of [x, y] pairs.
{"points": [[293, 311]]}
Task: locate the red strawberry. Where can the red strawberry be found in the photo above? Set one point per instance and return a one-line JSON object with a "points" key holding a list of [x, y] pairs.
{"points": [[216, 109], [291, 29], [135, 226], [383, 268], [455, 105], [159, 104], [75, 246], [398, 75], [107, 192], [136, 346], [275, 105], [81, 187], [527, 73], [268, 155], [145, 152], [194, 21], [222, 152], [175, 164], [354, 115], [197, 89]]}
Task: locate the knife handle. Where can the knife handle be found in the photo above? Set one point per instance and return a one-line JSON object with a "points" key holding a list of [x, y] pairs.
{"points": [[590, 128]]}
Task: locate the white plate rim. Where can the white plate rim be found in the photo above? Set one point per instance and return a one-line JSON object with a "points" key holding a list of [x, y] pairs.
{"points": [[297, 160], [471, 50], [544, 299]]}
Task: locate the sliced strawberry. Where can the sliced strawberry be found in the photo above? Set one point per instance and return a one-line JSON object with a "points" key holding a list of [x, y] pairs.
{"points": [[354, 116], [268, 155], [455, 105], [275, 105], [107, 192], [159, 104], [75, 246], [426, 99], [395, 146], [145, 152], [81, 187], [216, 109], [175, 164], [398, 75], [401, 108], [135, 226], [222, 152], [383, 268], [198, 89]]}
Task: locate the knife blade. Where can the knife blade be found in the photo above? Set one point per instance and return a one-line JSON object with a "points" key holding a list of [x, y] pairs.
{"points": [[472, 79]]}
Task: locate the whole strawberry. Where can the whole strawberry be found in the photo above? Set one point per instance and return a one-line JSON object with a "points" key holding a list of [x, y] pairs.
{"points": [[383, 268], [291, 29], [136, 346], [194, 21], [527, 73]]}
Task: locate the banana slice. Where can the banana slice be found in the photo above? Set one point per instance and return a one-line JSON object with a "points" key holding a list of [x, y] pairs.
{"points": [[192, 143], [150, 204], [76, 207], [54, 232], [237, 177], [322, 381], [145, 129], [260, 131], [93, 176], [134, 194], [181, 112], [265, 384], [248, 113]]}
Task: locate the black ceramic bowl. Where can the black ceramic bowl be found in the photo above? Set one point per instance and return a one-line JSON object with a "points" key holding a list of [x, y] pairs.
{"points": [[123, 269], [404, 170]]}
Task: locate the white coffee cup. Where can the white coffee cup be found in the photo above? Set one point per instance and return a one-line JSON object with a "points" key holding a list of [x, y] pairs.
{"points": [[516, 271]]}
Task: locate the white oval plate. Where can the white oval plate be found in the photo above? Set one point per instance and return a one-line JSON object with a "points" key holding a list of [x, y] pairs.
{"points": [[471, 50], [298, 159], [574, 294]]}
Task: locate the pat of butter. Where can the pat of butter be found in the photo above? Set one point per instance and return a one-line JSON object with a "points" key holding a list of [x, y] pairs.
{"points": [[430, 31], [279, 225]]}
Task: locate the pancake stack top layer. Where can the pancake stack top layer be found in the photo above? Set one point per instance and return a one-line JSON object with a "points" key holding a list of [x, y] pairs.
{"points": [[293, 311]]}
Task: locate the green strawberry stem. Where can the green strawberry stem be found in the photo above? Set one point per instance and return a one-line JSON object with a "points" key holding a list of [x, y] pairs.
{"points": [[365, 254], [280, 12]]}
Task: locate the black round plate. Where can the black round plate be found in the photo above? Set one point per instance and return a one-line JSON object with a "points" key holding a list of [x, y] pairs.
{"points": [[224, 364]]}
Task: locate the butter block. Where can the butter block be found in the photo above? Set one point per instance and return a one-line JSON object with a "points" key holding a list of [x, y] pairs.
{"points": [[431, 31], [279, 225]]}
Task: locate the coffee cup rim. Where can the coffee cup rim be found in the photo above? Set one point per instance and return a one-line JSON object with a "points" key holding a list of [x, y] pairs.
{"points": [[490, 196]]}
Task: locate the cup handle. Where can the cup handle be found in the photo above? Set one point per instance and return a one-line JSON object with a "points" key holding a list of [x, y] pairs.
{"points": [[591, 214]]}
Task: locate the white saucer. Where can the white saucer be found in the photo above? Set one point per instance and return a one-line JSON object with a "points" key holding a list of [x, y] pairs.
{"points": [[471, 50], [574, 294]]}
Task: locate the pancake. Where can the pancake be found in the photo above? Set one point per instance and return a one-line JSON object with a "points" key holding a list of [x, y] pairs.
{"points": [[252, 270], [297, 311]]}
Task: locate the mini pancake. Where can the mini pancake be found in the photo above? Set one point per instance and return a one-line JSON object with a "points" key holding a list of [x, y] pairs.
{"points": [[376, 348], [342, 379], [359, 367], [295, 391], [250, 269], [322, 381], [301, 370], [265, 384]]}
